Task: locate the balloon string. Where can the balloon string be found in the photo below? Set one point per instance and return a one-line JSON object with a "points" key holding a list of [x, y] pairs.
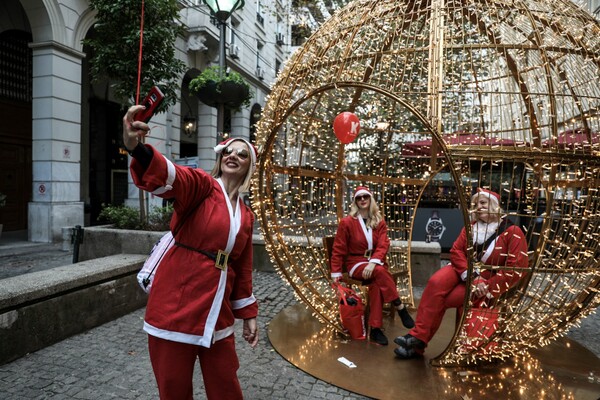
{"points": [[139, 77]]}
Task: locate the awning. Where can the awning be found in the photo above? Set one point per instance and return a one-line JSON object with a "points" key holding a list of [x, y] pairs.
{"points": [[422, 148]]}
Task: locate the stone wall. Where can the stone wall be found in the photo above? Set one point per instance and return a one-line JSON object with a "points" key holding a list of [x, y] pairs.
{"points": [[42, 308], [102, 241]]}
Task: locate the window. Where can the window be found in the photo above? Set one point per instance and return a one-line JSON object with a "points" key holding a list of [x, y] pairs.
{"points": [[259, 13]]}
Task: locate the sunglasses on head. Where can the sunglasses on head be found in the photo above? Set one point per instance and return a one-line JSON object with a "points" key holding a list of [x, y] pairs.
{"points": [[363, 197], [241, 153]]}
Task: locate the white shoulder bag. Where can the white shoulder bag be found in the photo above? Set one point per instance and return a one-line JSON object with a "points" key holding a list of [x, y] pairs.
{"points": [[146, 275]]}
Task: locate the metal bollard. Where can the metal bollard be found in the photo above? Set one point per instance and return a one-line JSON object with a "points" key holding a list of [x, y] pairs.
{"points": [[76, 240], [66, 238]]}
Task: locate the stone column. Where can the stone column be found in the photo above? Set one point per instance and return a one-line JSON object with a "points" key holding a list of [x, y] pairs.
{"points": [[207, 137], [56, 141]]}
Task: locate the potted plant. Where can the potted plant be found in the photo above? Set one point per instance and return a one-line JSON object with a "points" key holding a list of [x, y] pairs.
{"points": [[229, 88]]}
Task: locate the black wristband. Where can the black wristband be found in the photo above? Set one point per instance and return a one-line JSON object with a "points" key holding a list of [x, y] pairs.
{"points": [[142, 154]]}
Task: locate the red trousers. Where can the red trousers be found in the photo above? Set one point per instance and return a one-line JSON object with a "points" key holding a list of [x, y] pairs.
{"points": [[381, 290], [481, 324], [173, 365], [446, 290]]}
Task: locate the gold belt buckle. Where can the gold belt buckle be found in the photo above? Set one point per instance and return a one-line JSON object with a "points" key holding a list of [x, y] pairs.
{"points": [[368, 253], [221, 260]]}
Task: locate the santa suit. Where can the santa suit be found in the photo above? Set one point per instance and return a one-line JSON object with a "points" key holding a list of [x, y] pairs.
{"points": [[192, 302], [352, 240], [446, 288]]}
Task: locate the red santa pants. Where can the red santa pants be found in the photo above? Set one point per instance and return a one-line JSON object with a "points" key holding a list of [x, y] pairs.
{"points": [[173, 365], [444, 290], [381, 290]]}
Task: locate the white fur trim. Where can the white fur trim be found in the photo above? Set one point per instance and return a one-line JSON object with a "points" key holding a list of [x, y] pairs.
{"points": [[179, 337], [241, 303], [218, 148], [361, 192], [358, 264], [171, 174]]}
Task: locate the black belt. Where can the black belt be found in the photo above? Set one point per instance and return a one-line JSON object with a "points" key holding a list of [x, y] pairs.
{"points": [[221, 258], [366, 254]]}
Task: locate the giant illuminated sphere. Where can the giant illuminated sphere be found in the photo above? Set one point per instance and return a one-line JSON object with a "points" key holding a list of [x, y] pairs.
{"points": [[451, 95]]}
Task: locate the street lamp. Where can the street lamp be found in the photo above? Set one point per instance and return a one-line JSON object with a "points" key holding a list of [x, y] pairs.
{"points": [[222, 10]]}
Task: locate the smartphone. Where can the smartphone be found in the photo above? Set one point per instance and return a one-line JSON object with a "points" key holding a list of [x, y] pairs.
{"points": [[151, 102]]}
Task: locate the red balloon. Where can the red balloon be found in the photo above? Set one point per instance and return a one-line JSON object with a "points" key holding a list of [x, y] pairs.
{"points": [[346, 127]]}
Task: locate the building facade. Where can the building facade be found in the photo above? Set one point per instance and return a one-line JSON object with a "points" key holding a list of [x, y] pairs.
{"points": [[61, 157], [60, 154]]}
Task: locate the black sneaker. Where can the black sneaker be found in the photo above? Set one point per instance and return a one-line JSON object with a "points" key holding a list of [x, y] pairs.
{"points": [[409, 342], [407, 320], [378, 337]]}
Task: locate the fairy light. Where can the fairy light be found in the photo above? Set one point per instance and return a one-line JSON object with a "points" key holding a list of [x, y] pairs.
{"points": [[512, 97]]}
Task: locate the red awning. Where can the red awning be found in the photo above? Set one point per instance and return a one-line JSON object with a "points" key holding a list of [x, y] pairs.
{"points": [[422, 148], [569, 139], [577, 138]]}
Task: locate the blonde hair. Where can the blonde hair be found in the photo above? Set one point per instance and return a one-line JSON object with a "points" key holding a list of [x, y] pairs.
{"points": [[374, 217], [245, 186], [493, 209]]}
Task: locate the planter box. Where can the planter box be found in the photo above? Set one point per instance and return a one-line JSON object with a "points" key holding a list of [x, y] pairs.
{"points": [[102, 241], [233, 94], [208, 95], [230, 94]]}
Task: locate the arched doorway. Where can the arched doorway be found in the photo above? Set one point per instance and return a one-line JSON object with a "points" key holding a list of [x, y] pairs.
{"points": [[16, 128], [255, 114]]}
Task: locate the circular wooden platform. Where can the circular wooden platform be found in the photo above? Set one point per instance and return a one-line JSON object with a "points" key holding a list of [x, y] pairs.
{"points": [[558, 371]]}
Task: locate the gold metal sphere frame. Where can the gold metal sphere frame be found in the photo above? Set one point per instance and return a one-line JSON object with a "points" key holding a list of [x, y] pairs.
{"points": [[451, 96]]}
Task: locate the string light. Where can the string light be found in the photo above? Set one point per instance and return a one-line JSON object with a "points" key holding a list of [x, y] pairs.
{"points": [[451, 96]]}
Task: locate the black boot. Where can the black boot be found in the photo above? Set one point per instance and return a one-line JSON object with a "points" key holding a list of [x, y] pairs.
{"points": [[406, 354], [410, 347], [407, 320], [409, 341], [378, 337]]}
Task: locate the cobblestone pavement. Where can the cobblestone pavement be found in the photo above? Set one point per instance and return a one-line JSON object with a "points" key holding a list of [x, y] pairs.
{"points": [[111, 361]]}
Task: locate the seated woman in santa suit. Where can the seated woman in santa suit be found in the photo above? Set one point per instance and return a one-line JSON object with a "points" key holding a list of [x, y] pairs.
{"points": [[361, 244], [497, 243]]}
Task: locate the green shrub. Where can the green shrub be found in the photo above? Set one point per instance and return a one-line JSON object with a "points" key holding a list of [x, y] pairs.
{"points": [[213, 74], [122, 217], [159, 218], [125, 217]]}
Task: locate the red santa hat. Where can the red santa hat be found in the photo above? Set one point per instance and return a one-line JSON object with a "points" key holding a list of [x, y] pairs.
{"points": [[253, 151], [493, 196], [360, 190]]}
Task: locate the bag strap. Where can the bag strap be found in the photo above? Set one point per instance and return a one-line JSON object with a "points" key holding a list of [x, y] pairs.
{"points": [[501, 228], [173, 233], [343, 292]]}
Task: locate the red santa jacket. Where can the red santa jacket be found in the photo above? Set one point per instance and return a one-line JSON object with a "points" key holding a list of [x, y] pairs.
{"points": [[192, 301], [351, 243], [508, 249]]}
